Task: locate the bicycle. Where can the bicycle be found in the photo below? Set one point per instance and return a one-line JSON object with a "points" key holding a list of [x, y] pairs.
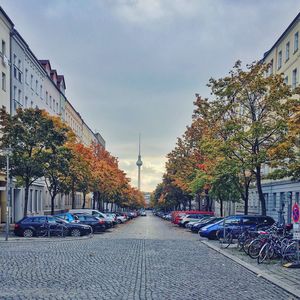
{"points": [[48, 229]]}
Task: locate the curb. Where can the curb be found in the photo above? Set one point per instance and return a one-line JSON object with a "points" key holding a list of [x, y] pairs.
{"points": [[295, 292], [22, 240]]}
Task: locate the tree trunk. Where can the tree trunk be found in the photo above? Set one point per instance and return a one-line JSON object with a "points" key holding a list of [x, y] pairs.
{"points": [[73, 196], [190, 204], [245, 195], [106, 206], [52, 203], [260, 192], [83, 203], [207, 200], [221, 207], [94, 200], [26, 197], [198, 200]]}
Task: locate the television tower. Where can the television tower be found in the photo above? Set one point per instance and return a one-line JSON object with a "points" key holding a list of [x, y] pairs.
{"points": [[139, 163]]}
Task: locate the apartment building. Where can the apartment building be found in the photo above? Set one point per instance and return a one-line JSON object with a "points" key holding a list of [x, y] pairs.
{"points": [[29, 82], [6, 26], [284, 58]]}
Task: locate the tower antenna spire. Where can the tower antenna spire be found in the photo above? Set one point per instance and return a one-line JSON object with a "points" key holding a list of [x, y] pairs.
{"points": [[139, 163]]}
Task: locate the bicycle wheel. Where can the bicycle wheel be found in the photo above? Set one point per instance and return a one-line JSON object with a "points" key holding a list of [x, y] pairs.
{"points": [[290, 253], [263, 253], [246, 244], [227, 240], [240, 241], [254, 248]]}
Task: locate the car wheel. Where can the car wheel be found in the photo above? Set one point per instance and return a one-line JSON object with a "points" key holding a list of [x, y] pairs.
{"points": [[212, 235], [28, 232], [119, 221], [75, 232]]}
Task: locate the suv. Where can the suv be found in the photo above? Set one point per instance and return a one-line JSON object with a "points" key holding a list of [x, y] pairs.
{"points": [[236, 222]]}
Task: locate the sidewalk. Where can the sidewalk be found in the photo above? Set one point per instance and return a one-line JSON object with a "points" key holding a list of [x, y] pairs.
{"points": [[287, 279]]}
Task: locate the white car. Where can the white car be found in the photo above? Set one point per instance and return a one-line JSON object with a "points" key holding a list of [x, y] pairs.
{"points": [[143, 214]]}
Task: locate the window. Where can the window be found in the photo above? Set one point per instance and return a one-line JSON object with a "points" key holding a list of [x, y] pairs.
{"points": [[41, 91], [233, 220], [3, 48], [249, 221], [51, 219], [31, 81], [3, 81], [46, 97], [36, 86], [53, 104], [286, 80], [282, 200], [31, 104], [26, 76], [15, 93], [26, 102], [279, 63], [271, 67], [40, 219], [57, 107], [274, 200], [50, 102], [294, 78], [287, 51], [296, 41], [19, 96], [30, 201], [15, 71]]}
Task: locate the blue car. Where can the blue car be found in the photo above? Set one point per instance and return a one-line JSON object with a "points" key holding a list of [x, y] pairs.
{"points": [[235, 223]]}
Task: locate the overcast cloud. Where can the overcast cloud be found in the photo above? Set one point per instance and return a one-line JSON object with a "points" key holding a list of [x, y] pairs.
{"points": [[135, 65]]}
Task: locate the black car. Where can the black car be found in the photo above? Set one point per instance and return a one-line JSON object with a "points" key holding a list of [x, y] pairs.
{"points": [[40, 225], [98, 224]]}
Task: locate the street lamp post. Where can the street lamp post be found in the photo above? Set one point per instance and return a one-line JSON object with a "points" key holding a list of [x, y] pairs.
{"points": [[7, 152]]}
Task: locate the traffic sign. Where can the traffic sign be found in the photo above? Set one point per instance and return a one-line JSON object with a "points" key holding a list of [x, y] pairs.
{"points": [[296, 213]]}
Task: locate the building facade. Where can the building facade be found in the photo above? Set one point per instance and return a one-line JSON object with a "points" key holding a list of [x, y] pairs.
{"points": [[283, 58], [29, 82], [6, 26]]}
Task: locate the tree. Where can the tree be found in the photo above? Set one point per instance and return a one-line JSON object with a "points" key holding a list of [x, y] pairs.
{"points": [[29, 134], [56, 171], [254, 110]]}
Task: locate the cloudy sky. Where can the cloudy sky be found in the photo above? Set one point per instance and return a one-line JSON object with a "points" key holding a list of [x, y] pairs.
{"points": [[135, 65]]}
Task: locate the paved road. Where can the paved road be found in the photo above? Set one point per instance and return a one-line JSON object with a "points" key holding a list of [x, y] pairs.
{"points": [[147, 258]]}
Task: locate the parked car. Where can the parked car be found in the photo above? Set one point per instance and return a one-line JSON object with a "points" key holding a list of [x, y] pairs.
{"points": [[121, 217], [143, 214], [204, 222], [236, 222], [68, 217], [94, 212], [33, 226], [190, 224], [190, 218], [112, 217], [96, 223]]}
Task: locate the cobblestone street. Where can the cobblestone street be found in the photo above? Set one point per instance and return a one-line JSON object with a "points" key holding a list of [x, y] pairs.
{"points": [[147, 258]]}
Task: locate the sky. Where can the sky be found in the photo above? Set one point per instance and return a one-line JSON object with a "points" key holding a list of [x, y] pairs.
{"points": [[134, 66]]}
